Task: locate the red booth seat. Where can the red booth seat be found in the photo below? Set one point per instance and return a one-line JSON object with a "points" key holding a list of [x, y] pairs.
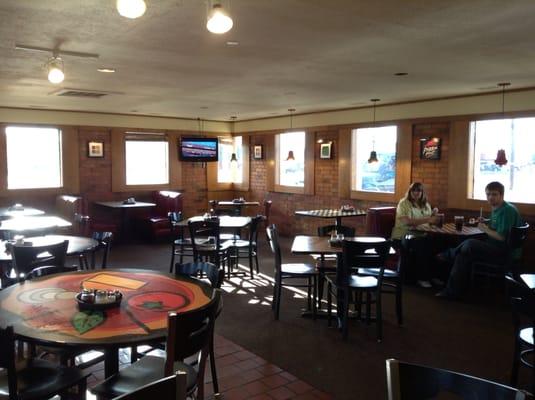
{"points": [[379, 222], [157, 224]]}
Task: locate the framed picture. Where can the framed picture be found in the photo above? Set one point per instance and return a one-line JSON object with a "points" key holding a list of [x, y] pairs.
{"points": [[257, 152], [325, 150], [95, 149], [430, 148]]}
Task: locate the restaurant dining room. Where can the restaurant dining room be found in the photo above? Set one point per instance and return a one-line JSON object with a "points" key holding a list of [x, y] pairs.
{"points": [[241, 199]]}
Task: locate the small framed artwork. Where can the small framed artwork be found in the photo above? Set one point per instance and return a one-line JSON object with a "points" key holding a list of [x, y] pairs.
{"points": [[95, 149], [430, 148], [325, 150], [258, 152]]}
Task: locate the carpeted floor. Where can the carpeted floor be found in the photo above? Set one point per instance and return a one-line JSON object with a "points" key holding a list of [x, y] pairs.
{"points": [[474, 337]]}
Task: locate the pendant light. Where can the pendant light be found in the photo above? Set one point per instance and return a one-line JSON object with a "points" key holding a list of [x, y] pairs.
{"points": [[291, 153], [131, 8], [501, 159], [218, 21], [233, 158], [373, 154], [54, 68]]}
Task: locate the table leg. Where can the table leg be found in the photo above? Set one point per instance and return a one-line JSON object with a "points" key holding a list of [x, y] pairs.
{"points": [[111, 361]]}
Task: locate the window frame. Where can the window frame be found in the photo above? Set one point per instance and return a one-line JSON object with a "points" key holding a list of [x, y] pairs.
{"points": [[212, 170], [69, 162], [118, 157], [308, 187]]}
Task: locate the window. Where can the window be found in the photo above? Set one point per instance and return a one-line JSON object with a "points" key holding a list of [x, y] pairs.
{"points": [[33, 158], [147, 159], [291, 159], [515, 136], [379, 176], [230, 171]]}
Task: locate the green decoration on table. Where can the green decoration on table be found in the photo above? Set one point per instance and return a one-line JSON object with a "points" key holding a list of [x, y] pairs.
{"points": [[152, 305], [84, 321]]}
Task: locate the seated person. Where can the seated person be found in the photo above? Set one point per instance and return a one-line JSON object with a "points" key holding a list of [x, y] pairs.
{"points": [[493, 248], [413, 210]]}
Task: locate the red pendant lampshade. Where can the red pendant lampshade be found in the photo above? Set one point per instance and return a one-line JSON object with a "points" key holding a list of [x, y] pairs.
{"points": [[500, 158]]}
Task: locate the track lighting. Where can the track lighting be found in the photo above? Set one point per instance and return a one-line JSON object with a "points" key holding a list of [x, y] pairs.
{"points": [[218, 21], [131, 8]]}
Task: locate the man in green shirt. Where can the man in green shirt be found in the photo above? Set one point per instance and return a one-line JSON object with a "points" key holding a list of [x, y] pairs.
{"points": [[493, 249]]}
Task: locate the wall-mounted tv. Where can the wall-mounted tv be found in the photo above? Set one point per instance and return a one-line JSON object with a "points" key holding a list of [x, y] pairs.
{"points": [[198, 149]]}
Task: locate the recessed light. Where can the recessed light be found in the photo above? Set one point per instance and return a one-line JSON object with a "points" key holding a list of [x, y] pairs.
{"points": [[232, 43], [401, 74], [106, 70]]}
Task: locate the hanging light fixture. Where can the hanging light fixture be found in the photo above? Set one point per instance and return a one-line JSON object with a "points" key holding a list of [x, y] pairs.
{"points": [[55, 70], [373, 154], [291, 153], [233, 158], [218, 21], [501, 158], [131, 8]]}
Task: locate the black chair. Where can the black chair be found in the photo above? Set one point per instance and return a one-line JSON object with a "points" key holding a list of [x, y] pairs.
{"points": [[169, 388], [207, 244], [290, 272], [369, 253], [34, 378], [407, 381], [215, 276], [189, 333], [523, 307], [28, 258], [248, 248], [181, 245], [515, 240], [104, 240], [326, 263]]}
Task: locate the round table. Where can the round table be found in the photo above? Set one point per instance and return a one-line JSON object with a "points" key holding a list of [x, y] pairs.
{"points": [[44, 311]]}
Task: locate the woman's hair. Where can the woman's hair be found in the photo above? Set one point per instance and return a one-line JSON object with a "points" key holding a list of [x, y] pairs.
{"points": [[422, 201]]}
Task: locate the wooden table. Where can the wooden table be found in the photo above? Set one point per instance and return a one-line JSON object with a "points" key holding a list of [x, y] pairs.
{"points": [[44, 311], [237, 205], [449, 229], [124, 207], [336, 214], [21, 225], [11, 212]]}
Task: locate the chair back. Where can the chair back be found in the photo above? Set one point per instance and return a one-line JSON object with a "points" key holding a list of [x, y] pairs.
{"points": [[7, 359], [370, 253], [407, 381], [166, 201], [326, 230], [205, 238], [214, 274], [517, 236], [273, 237], [26, 258], [253, 228], [190, 332], [522, 301], [169, 388], [104, 240], [380, 221]]}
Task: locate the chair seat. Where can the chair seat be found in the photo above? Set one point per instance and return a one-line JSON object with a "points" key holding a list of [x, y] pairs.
{"points": [[242, 243], [183, 242], [41, 379], [298, 269], [326, 257], [228, 236], [364, 282], [146, 370], [388, 273], [526, 335]]}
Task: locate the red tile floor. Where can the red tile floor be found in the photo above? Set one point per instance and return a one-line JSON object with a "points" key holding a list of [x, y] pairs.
{"points": [[242, 375]]}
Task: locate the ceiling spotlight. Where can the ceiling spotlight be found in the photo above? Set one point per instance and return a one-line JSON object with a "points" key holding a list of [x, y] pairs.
{"points": [[106, 70], [54, 67], [131, 8], [218, 19]]}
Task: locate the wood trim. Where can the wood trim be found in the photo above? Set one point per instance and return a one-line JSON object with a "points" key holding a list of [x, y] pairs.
{"points": [[271, 170], [244, 185], [3, 161], [344, 163], [289, 189], [310, 153]]}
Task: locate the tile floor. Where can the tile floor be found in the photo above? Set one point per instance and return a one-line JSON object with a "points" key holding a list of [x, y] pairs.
{"points": [[242, 375]]}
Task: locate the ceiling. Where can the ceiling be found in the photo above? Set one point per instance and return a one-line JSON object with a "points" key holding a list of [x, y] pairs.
{"points": [[311, 55]]}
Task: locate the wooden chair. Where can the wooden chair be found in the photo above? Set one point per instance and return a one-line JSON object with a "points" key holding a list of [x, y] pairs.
{"points": [[407, 381], [523, 307], [290, 272], [169, 388], [207, 244], [370, 253], [27, 258], [240, 248], [34, 379], [215, 276], [515, 241], [189, 333]]}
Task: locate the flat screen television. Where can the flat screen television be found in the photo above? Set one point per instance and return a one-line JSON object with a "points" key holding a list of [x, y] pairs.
{"points": [[198, 149]]}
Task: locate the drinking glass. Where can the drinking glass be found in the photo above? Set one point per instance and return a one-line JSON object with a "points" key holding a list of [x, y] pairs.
{"points": [[459, 221]]}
